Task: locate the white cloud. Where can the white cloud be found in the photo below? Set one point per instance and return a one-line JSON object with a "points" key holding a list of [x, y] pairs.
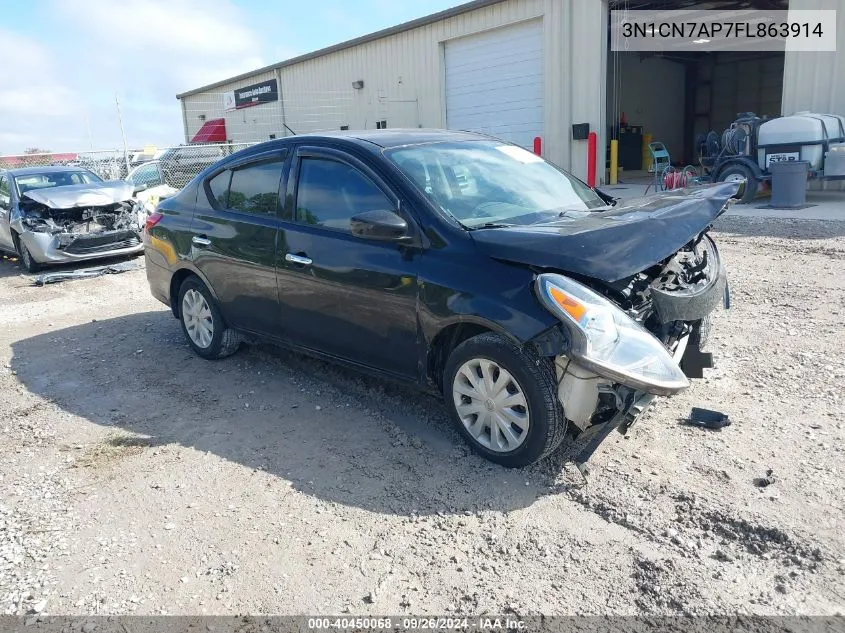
{"points": [[186, 41], [31, 84], [146, 51]]}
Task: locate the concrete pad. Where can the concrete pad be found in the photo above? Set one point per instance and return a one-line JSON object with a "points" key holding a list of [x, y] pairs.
{"points": [[823, 205]]}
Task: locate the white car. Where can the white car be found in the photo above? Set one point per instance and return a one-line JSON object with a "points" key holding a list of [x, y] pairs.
{"points": [[150, 186]]}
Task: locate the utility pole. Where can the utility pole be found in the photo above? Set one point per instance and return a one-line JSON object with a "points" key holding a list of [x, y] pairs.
{"points": [[90, 137], [122, 133]]}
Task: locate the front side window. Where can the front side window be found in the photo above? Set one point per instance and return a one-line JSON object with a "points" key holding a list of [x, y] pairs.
{"points": [[330, 193], [489, 182], [148, 175]]}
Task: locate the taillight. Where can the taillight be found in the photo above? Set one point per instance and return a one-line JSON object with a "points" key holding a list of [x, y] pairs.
{"points": [[152, 219]]}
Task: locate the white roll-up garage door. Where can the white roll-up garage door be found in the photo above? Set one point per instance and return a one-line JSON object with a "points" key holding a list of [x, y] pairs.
{"points": [[494, 83]]}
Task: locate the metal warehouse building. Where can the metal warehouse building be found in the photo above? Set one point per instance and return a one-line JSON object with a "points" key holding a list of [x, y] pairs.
{"points": [[521, 69]]}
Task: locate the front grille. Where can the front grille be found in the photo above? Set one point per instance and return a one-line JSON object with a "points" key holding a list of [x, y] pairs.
{"points": [[100, 243]]}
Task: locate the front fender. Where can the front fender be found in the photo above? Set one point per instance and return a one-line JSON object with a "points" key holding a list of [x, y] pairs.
{"points": [[498, 297]]}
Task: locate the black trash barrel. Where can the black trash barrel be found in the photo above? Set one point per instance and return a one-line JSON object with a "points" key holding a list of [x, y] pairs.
{"points": [[789, 183]]}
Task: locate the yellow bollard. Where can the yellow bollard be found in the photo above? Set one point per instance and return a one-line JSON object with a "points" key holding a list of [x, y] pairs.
{"points": [[647, 138], [614, 161]]}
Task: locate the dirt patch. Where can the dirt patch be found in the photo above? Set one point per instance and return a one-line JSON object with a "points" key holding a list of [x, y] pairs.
{"points": [[115, 446]]}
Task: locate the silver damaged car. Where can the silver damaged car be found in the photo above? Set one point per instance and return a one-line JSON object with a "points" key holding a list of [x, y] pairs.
{"points": [[54, 215]]}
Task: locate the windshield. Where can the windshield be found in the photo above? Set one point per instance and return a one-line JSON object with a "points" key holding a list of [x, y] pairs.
{"points": [[481, 183], [47, 179]]}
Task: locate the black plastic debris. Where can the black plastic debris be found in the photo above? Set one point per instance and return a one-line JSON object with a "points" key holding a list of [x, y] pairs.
{"points": [[768, 480], [82, 273], [708, 419]]}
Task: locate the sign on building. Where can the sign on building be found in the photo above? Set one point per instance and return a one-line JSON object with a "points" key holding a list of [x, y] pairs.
{"points": [[255, 94]]}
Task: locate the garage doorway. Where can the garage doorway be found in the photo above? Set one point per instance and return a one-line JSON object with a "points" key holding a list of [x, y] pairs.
{"points": [[678, 97], [674, 98], [494, 83]]}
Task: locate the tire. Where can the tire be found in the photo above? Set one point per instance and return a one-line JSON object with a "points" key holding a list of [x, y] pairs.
{"points": [[221, 341], [733, 172], [25, 257], [530, 376]]}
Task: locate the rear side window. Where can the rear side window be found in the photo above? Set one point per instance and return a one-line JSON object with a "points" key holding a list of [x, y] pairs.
{"points": [[255, 187], [330, 193], [249, 188], [4, 190], [219, 188]]}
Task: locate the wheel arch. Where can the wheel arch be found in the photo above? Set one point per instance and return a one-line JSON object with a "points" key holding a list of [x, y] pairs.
{"points": [[178, 278], [448, 337]]}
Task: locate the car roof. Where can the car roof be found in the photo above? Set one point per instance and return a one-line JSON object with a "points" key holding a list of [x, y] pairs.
{"points": [[397, 137], [46, 169]]}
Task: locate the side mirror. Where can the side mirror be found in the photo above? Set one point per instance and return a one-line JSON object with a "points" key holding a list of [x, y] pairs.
{"points": [[141, 186], [379, 225]]}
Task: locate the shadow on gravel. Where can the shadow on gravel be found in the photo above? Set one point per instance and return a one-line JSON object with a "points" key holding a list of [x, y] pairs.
{"points": [[786, 228], [331, 432], [9, 266]]}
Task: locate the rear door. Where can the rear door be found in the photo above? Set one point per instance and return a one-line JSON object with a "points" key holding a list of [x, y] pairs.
{"points": [[340, 294], [235, 238]]}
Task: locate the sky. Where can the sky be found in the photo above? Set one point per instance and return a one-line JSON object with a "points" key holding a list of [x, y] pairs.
{"points": [[65, 60]]}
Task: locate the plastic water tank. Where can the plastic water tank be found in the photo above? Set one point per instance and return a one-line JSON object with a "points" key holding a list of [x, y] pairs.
{"points": [[801, 130]]}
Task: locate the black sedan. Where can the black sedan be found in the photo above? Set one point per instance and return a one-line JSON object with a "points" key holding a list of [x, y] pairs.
{"points": [[462, 264]]}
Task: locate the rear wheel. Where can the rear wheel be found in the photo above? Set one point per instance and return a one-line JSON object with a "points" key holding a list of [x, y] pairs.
{"points": [[503, 400], [737, 173], [26, 257], [202, 323]]}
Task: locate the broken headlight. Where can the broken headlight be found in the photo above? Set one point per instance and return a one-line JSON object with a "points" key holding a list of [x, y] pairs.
{"points": [[608, 341]]}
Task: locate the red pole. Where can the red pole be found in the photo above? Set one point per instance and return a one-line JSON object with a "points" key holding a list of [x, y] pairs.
{"points": [[591, 159], [538, 145]]}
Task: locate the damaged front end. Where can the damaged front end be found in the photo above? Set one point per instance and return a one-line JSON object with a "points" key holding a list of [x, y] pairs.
{"points": [[79, 221], [625, 342]]}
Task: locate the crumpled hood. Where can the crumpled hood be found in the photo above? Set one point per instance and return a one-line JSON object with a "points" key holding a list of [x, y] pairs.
{"points": [[97, 194], [615, 244]]}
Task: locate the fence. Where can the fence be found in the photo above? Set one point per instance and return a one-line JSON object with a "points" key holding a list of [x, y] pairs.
{"points": [[173, 166]]}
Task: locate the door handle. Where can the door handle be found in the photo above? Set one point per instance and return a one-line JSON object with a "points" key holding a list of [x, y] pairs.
{"points": [[196, 240], [298, 259]]}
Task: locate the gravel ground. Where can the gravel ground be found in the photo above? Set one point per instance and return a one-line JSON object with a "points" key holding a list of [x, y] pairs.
{"points": [[139, 478]]}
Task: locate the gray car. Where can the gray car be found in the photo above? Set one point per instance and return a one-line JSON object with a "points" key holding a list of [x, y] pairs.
{"points": [[54, 215]]}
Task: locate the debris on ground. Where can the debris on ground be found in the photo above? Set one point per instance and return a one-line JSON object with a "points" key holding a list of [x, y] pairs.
{"points": [[58, 276], [768, 480], [708, 418]]}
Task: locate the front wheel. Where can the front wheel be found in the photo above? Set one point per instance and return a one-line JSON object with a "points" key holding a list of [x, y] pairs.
{"points": [[202, 323], [503, 400], [738, 172], [26, 257]]}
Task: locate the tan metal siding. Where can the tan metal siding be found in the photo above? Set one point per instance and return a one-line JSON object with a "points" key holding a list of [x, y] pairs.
{"points": [[403, 79], [815, 81]]}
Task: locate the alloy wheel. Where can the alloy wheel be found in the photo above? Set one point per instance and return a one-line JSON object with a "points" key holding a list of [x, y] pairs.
{"points": [[491, 405], [196, 314]]}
